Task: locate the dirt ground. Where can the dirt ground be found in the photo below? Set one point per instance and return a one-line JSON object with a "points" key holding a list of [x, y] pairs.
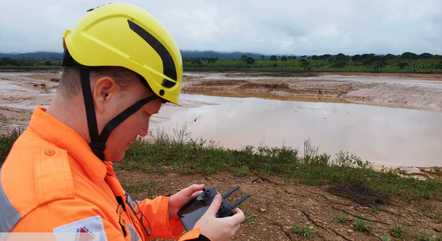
{"points": [[20, 93], [275, 206]]}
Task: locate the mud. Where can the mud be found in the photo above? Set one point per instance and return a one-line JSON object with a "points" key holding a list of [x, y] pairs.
{"points": [[20, 93], [416, 91]]}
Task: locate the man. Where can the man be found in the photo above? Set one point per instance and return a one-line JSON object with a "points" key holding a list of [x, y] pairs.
{"points": [[120, 66]]}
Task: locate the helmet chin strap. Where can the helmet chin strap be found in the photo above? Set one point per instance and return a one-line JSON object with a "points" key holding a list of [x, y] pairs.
{"points": [[98, 140]]}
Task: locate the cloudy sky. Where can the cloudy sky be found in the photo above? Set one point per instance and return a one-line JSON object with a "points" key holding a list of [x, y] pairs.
{"points": [[268, 27]]}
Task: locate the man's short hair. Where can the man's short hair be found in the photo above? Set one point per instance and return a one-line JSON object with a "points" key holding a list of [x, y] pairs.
{"points": [[70, 82]]}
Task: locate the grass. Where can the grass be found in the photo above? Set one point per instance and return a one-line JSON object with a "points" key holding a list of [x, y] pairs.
{"points": [[362, 226], [398, 232], [303, 231], [344, 173], [6, 142], [385, 238], [342, 219], [250, 219]]}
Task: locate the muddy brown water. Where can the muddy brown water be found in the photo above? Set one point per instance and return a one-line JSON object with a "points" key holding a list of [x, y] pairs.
{"points": [[390, 136], [386, 136]]}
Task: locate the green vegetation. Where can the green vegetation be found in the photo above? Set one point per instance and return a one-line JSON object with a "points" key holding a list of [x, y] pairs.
{"points": [[250, 219], [361, 226], [6, 142], [29, 63], [346, 174], [306, 231], [398, 232], [385, 237], [406, 62], [341, 219]]}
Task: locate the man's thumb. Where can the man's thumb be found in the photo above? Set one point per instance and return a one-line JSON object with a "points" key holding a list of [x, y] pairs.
{"points": [[215, 205]]}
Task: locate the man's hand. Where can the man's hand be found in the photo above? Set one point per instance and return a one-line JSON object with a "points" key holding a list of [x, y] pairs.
{"points": [[219, 229], [179, 199]]}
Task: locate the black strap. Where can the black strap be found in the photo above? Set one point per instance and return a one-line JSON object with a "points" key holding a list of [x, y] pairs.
{"points": [[98, 141], [89, 106], [123, 116]]}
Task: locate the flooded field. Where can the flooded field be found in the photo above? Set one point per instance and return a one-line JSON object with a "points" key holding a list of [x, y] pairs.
{"points": [[276, 113], [387, 136], [415, 91]]}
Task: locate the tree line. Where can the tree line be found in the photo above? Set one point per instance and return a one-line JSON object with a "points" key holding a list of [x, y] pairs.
{"points": [[405, 62]]}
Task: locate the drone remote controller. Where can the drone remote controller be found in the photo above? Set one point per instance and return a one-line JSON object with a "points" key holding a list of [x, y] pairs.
{"points": [[196, 208]]}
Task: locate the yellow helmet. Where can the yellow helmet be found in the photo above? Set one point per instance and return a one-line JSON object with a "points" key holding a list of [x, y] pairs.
{"points": [[124, 35]]}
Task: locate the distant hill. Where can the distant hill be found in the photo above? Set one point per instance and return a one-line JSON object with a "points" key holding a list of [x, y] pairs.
{"points": [[186, 54]]}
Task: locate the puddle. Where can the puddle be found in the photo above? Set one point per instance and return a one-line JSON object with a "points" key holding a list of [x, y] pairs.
{"points": [[385, 136]]}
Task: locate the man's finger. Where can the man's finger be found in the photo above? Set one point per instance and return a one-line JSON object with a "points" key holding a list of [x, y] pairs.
{"points": [[188, 191], [215, 205], [195, 194], [238, 217]]}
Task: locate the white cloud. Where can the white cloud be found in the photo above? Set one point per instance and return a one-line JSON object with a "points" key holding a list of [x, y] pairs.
{"points": [[280, 26]]}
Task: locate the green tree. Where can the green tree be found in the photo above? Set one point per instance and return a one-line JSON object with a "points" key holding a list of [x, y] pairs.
{"points": [[402, 65], [409, 55], [250, 60], [305, 64], [426, 56]]}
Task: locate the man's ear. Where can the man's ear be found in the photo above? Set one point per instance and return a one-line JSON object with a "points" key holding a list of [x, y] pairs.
{"points": [[104, 89]]}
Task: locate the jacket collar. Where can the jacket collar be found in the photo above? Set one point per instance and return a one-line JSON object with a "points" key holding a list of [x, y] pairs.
{"points": [[61, 135]]}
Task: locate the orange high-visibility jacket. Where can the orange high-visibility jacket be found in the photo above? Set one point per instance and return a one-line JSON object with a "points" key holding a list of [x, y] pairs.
{"points": [[52, 182]]}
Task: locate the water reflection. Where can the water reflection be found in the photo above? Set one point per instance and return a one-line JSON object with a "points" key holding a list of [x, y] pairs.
{"points": [[389, 136]]}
